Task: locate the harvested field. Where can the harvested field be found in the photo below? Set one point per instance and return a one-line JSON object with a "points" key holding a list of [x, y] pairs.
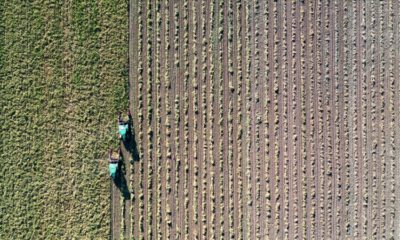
{"points": [[252, 119], [265, 119]]}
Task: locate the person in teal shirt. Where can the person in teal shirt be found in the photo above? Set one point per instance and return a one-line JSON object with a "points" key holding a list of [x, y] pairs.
{"points": [[114, 162], [123, 126]]}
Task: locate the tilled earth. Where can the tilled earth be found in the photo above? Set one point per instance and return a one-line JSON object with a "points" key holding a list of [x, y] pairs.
{"points": [[265, 119]]}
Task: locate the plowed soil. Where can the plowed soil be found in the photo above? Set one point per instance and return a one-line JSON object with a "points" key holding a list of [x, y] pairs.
{"points": [[265, 119]]}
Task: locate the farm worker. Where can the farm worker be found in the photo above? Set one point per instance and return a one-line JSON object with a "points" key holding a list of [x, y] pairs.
{"points": [[123, 126], [113, 162]]}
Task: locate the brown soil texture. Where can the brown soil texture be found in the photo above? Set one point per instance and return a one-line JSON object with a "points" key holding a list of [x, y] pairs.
{"points": [[264, 119]]}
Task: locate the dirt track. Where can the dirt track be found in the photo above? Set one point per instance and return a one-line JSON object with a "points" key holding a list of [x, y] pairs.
{"points": [[115, 212], [256, 119]]}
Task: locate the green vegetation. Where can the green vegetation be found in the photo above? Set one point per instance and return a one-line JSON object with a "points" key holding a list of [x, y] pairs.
{"points": [[63, 76]]}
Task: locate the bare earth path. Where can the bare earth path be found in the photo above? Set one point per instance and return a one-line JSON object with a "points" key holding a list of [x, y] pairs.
{"points": [[115, 211]]}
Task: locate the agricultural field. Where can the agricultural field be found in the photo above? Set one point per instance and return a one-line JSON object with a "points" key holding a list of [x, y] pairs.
{"points": [[265, 119], [251, 119], [63, 77]]}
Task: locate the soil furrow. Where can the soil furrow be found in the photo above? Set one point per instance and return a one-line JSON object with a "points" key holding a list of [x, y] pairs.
{"points": [[325, 128], [317, 123], [373, 115], [264, 203], [252, 140], [191, 129], [380, 116], [226, 115], [387, 127], [393, 154], [126, 192], [336, 165], [157, 152], [390, 180], [141, 107], [281, 192], [133, 103], [185, 124], [351, 121], [301, 50], [144, 123], [284, 128], [396, 76], [235, 121], [360, 113], [271, 115], [331, 173], [369, 140], [299, 119], [341, 169], [364, 119], [209, 210], [243, 117], [200, 115], [290, 120], [231, 8], [163, 123], [181, 121], [216, 111], [309, 123], [154, 118], [333, 119], [172, 96]]}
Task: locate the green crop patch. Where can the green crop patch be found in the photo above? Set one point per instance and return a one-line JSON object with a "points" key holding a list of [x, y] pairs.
{"points": [[63, 78]]}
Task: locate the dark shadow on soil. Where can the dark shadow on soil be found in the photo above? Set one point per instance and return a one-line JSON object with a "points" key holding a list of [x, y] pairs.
{"points": [[130, 143], [130, 146], [120, 181]]}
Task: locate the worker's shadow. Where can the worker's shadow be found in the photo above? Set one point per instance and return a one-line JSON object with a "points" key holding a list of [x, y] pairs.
{"points": [[120, 181], [130, 143]]}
